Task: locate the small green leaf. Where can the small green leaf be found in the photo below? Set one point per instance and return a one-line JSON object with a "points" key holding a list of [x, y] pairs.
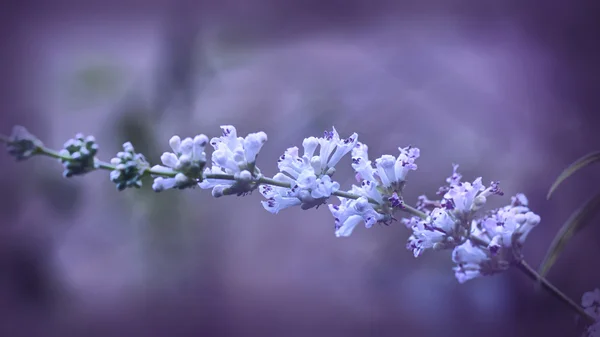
{"points": [[576, 222], [580, 163]]}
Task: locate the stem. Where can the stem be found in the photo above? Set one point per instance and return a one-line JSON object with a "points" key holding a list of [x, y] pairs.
{"points": [[262, 180], [411, 210], [534, 276]]}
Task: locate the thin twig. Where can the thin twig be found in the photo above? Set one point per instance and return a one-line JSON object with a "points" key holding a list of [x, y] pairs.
{"points": [[534, 276]]}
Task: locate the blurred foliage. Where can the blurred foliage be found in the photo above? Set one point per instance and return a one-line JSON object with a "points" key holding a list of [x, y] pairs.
{"points": [[97, 81], [580, 163], [581, 218]]}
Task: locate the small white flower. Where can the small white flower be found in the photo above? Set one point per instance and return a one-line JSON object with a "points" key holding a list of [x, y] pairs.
{"points": [[186, 161], [510, 225], [471, 262], [232, 156], [392, 171], [438, 232], [462, 196], [279, 198], [332, 149], [252, 145], [361, 163], [351, 212]]}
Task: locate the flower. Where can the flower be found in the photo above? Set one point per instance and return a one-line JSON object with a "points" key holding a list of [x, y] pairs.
{"points": [[500, 236], [22, 144], [78, 155], [473, 261], [392, 171], [235, 156], [389, 172], [438, 231], [129, 168], [510, 225], [351, 212], [279, 198], [590, 301], [183, 167], [331, 149], [452, 221], [309, 175]]}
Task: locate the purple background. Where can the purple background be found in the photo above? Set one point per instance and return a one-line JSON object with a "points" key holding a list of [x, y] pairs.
{"points": [[509, 90]]}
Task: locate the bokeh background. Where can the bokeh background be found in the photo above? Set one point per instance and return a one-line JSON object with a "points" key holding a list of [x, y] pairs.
{"points": [[508, 90]]}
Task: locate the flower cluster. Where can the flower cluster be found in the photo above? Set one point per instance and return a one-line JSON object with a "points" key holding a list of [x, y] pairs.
{"points": [[21, 144], [185, 163], [235, 156], [79, 155], [483, 244], [380, 189], [590, 301], [308, 176], [129, 168]]}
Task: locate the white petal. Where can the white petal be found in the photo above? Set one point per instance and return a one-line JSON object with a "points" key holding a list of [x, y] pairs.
{"points": [[169, 160], [310, 145], [187, 147], [348, 226], [175, 143], [252, 145]]}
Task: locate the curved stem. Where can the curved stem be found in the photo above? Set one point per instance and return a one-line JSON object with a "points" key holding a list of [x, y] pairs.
{"points": [[534, 276]]}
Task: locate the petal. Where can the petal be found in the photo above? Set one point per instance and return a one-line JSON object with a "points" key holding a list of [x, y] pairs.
{"points": [[169, 159], [252, 145], [348, 226], [175, 143]]}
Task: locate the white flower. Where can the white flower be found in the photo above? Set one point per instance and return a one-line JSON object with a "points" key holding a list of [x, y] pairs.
{"points": [[351, 212], [509, 226], [308, 192], [391, 171], [309, 175], [461, 197], [437, 232], [590, 301], [361, 163], [279, 198], [187, 161], [332, 149], [471, 262], [233, 155]]}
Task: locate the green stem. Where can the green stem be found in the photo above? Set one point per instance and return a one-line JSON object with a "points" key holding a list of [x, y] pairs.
{"points": [[534, 276]]}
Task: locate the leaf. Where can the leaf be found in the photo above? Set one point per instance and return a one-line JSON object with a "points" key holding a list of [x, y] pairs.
{"points": [[576, 222], [580, 163]]}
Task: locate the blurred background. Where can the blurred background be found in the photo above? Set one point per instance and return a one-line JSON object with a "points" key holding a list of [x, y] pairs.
{"points": [[508, 90]]}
